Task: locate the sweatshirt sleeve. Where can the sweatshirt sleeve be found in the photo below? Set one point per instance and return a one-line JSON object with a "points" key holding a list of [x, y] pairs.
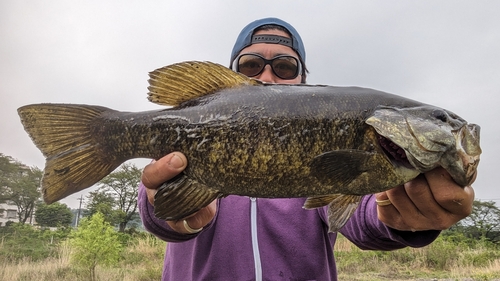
{"points": [[156, 226], [367, 232]]}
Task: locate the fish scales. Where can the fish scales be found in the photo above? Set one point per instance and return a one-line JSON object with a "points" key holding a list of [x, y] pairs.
{"points": [[269, 141]]}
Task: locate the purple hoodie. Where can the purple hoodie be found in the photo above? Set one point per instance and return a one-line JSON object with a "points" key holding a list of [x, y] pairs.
{"points": [[269, 239]]}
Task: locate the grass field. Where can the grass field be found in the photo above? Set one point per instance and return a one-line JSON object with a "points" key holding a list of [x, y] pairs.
{"points": [[445, 259], [448, 258]]}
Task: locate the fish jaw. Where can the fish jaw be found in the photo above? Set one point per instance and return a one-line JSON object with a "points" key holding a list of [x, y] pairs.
{"points": [[431, 137], [421, 139], [464, 169]]}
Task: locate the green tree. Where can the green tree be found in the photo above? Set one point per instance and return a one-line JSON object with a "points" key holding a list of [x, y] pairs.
{"points": [[483, 222], [19, 185], [53, 215], [8, 167], [122, 186], [100, 202], [95, 243], [26, 193], [9, 170]]}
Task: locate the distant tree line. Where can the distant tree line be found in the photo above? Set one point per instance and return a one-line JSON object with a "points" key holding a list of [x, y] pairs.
{"points": [[483, 222], [115, 197]]}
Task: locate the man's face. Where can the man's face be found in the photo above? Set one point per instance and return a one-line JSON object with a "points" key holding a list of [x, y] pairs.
{"points": [[269, 51]]}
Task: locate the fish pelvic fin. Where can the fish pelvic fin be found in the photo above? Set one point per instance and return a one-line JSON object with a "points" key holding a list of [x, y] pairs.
{"points": [[181, 197], [341, 207], [62, 133], [174, 84]]}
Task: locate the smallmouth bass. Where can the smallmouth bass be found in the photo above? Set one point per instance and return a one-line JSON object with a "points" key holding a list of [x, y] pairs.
{"points": [[330, 144]]}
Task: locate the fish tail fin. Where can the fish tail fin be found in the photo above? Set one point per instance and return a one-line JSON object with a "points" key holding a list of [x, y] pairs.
{"points": [[63, 133], [180, 82]]}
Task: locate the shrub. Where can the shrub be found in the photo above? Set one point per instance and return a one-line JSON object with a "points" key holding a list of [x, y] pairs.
{"points": [[95, 242]]}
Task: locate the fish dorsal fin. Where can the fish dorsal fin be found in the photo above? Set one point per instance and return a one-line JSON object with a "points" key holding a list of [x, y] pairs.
{"points": [[180, 82]]}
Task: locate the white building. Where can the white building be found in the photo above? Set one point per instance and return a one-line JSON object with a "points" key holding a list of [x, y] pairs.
{"points": [[8, 212]]}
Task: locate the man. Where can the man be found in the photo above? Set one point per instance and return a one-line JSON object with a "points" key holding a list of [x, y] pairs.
{"points": [[240, 238]]}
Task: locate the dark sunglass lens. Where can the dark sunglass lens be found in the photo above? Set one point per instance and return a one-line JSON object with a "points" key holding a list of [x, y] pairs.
{"points": [[285, 67], [250, 65]]}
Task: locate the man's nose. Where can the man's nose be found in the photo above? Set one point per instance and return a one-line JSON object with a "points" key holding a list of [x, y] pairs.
{"points": [[267, 75]]}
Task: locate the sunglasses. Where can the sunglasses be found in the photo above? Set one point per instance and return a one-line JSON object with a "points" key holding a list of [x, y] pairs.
{"points": [[283, 66]]}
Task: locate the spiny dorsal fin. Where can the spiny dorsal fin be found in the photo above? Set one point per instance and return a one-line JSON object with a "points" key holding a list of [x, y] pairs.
{"points": [[180, 82]]}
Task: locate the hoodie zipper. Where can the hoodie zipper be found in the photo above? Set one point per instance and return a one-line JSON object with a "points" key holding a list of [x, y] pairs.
{"points": [[255, 241]]}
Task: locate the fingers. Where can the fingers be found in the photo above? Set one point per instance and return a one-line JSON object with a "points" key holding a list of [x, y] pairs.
{"points": [[158, 172], [407, 212], [390, 214], [197, 220], [431, 201], [164, 169], [451, 197]]}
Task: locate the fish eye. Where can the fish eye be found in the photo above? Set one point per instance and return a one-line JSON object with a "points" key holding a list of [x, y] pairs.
{"points": [[440, 115]]}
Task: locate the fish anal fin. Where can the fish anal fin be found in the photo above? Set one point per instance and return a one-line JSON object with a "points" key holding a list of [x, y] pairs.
{"points": [[181, 197], [180, 82], [340, 210], [339, 167], [319, 201]]}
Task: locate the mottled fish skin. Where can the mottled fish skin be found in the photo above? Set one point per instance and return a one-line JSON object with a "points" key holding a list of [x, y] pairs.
{"points": [[330, 144], [255, 142]]}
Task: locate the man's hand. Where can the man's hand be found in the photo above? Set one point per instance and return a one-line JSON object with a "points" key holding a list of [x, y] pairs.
{"points": [[166, 168], [431, 201]]}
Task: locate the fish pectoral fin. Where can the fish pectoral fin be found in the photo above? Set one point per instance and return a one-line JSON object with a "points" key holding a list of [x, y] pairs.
{"points": [[339, 167], [181, 197], [340, 210], [180, 82]]}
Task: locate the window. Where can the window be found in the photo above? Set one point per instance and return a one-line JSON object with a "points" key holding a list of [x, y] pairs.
{"points": [[11, 214]]}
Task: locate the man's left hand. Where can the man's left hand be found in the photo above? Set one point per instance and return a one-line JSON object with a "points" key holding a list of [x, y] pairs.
{"points": [[432, 201]]}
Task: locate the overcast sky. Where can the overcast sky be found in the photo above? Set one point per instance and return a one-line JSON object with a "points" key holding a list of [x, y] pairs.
{"points": [[446, 53]]}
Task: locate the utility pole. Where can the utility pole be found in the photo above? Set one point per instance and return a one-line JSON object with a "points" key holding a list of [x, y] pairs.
{"points": [[79, 209]]}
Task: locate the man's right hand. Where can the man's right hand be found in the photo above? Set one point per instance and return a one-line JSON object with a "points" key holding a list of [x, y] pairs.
{"points": [[164, 169]]}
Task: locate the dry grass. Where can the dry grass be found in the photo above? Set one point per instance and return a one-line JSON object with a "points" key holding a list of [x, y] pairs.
{"points": [[143, 261], [441, 260]]}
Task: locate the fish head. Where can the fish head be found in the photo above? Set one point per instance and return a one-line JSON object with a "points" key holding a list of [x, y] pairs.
{"points": [[428, 137]]}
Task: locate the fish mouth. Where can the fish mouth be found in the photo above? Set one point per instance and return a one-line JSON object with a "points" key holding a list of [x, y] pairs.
{"points": [[469, 151], [394, 153], [461, 162]]}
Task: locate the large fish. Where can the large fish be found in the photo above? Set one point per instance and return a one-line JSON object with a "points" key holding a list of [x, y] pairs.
{"points": [[330, 144]]}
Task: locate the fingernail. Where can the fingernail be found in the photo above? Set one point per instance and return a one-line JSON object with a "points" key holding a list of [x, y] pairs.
{"points": [[176, 162]]}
